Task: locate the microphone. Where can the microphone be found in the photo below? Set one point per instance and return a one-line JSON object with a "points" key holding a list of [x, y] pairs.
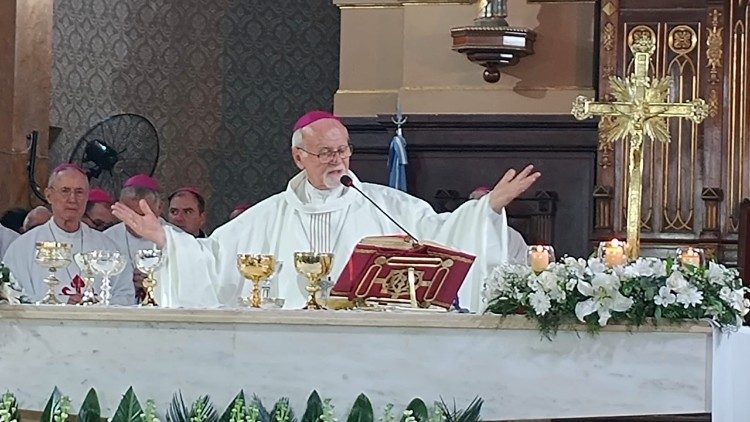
{"points": [[348, 182]]}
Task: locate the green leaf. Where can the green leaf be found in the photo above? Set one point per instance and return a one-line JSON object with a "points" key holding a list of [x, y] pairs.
{"points": [[282, 411], [177, 411], [227, 415], [314, 408], [470, 414], [418, 409], [90, 410], [263, 415], [129, 409], [52, 404], [361, 411], [203, 410]]}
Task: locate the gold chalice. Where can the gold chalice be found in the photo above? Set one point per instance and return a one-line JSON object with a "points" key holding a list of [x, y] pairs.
{"points": [[85, 262], [52, 255], [313, 266], [255, 268], [148, 261]]}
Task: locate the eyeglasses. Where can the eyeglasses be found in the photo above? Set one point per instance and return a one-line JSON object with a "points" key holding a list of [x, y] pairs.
{"points": [[327, 155], [67, 192]]}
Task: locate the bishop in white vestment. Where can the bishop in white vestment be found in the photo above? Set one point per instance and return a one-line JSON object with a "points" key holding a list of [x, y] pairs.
{"points": [[317, 213], [67, 192], [7, 236]]}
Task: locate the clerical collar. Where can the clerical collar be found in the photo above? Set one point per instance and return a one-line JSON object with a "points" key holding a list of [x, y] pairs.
{"points": [[58, 232], [317, 196]]}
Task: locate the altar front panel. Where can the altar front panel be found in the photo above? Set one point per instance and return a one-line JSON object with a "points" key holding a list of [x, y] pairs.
{"points": [[389, 357]]}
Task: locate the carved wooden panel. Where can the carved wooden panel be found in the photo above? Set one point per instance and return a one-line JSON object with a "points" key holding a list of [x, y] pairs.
{"points": [[693, 185], [459, 153]]}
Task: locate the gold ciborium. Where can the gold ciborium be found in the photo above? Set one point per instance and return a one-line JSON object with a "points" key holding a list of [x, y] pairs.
{"points": [[148, 261], [255, 268], [85, 262], [52, 255], [313, 266]]}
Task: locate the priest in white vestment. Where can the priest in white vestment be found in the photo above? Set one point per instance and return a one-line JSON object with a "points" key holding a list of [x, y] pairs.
{"points": [[7, 236], [518, 249], [136, 188], [317, 213], [67, 193]]}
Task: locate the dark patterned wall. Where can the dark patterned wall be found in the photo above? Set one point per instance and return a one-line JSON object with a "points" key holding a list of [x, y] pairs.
{"points": [[222, 81]]}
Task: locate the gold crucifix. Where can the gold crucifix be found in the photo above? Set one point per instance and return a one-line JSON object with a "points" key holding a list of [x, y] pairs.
{"points": [[640, 109]]}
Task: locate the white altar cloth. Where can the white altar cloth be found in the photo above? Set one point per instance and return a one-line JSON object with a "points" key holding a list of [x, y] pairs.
{"points": [[389, 356]]}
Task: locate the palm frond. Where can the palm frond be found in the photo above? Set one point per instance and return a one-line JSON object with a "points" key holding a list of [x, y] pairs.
{"points": [[263, 415], [203, 410], [470, 414], [177, 411], [282, 411]]}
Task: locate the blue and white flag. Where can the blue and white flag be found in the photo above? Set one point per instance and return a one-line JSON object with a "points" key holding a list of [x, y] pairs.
{"points": [[397, 162]]}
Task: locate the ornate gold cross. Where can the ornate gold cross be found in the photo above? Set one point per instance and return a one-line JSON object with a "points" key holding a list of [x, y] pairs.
{"points": [[640, 109]]}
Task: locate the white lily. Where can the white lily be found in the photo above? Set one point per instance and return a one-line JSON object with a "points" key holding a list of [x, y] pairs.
{"points": [[676, 281], [604, 291], [665, 297]]}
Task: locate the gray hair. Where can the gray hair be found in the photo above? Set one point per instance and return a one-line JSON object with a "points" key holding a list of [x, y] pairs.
{"points": [[297, 140], [140, 193], [53, 176]]}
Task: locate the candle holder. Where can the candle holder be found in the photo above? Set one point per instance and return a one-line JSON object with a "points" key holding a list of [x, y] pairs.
{"points": [[691, 257], [613, 253], [540, 256]]}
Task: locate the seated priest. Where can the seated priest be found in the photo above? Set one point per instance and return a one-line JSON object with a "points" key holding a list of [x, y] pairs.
{"points": [[98, 214], [317, 213], [36, 217], [67, 192], [187, 210], [7, 236], [518, 250], [140, 187]]}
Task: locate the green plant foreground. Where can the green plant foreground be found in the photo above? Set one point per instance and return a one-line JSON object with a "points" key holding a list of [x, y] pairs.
{"points": [[241, 409]]}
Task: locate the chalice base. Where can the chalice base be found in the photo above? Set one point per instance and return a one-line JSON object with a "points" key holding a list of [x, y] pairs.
{"points": [[313, 305], [50, 299]]}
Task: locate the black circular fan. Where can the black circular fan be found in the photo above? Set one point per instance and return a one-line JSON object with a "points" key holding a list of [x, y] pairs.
{"points": [[117, 148]]}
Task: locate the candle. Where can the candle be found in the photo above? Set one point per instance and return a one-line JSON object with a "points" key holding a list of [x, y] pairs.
{"points": [[538, 258], [691, 257], [614, 253]]}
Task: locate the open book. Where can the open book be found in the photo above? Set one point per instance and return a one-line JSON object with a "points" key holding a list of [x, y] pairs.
{"points": [[390, 269]]}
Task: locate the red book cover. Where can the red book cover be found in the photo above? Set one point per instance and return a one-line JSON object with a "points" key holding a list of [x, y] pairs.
{"points": [[378, 269]]}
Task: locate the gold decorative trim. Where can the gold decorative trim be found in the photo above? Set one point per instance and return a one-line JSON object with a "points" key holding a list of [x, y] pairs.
{"points": [[608, 36], [713, 103], [609, 8], [715, 45], [682, 39], [641, 34]]}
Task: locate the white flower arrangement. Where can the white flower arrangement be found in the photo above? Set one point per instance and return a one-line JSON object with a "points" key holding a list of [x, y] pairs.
{"points": [[594, 294], [10, 291]]}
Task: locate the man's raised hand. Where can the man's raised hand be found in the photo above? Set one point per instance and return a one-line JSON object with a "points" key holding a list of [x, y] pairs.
{"points": [[146, 225], [511, 186]]}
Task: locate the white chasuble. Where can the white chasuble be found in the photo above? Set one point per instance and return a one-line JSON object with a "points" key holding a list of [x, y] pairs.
{"points": [[294, 221], [19, 258], [7, 236]]}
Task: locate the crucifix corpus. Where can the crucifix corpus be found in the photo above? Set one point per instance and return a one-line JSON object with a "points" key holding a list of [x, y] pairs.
{"points": [[640, 109]]}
